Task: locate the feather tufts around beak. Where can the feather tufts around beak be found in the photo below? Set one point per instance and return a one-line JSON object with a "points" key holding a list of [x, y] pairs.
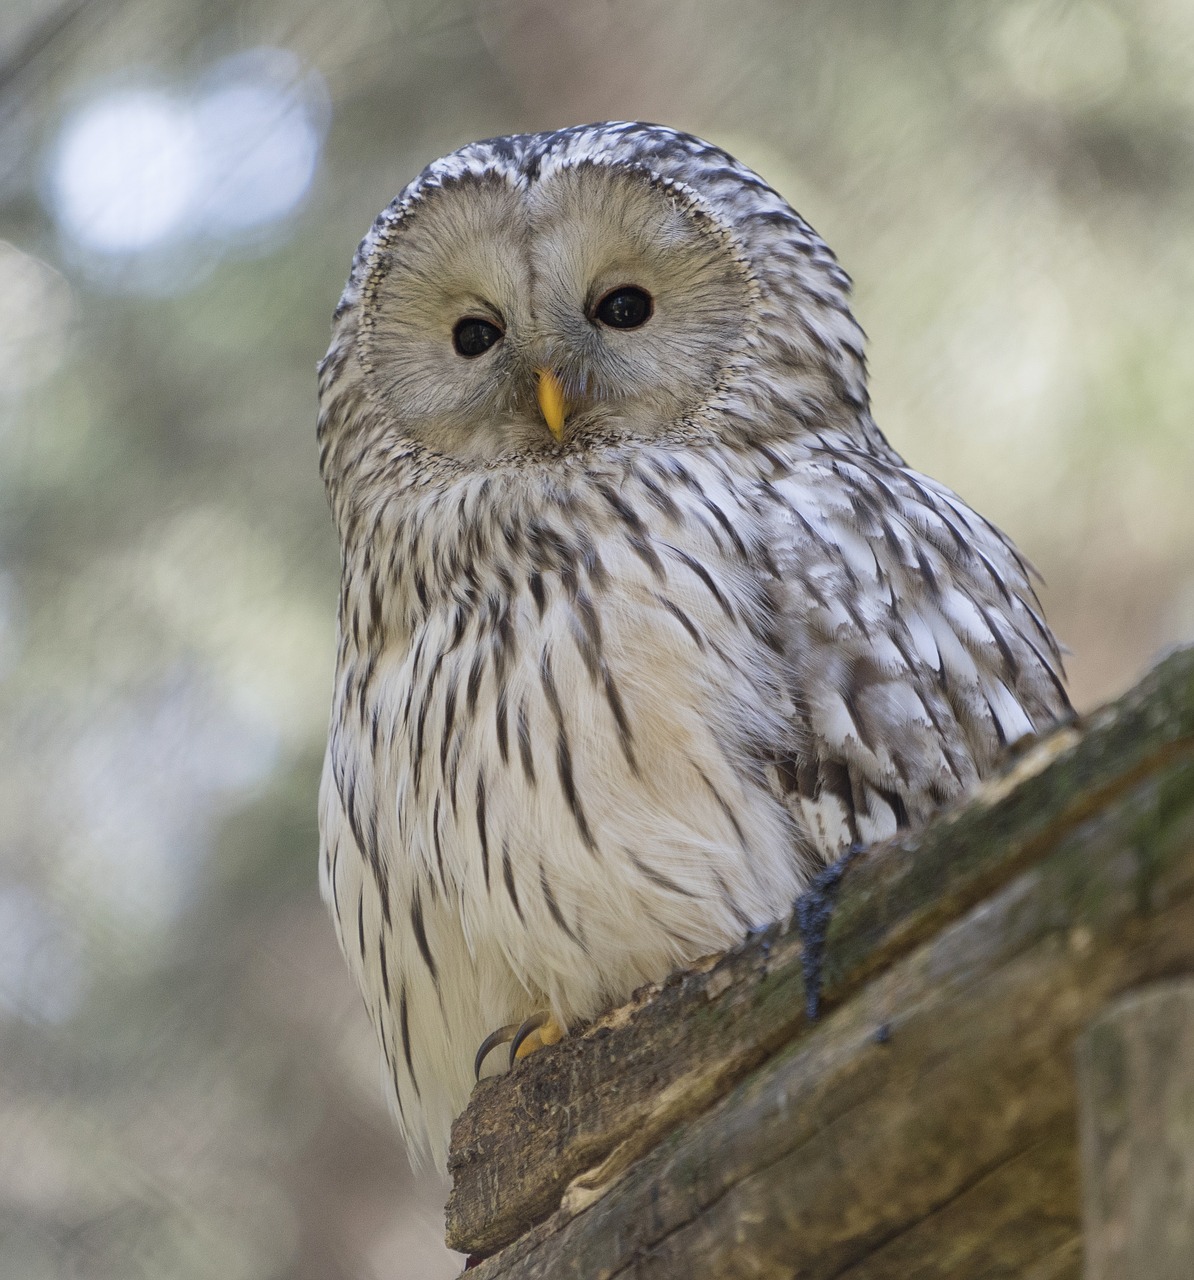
{"points": [[552, 403]]}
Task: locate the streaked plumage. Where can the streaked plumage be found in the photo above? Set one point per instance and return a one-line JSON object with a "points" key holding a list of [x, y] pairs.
{"points": [[602, 706]]}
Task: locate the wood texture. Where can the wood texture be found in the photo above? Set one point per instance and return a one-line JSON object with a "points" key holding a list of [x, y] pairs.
{"points": [[925, 1125], [1136, 1084]]}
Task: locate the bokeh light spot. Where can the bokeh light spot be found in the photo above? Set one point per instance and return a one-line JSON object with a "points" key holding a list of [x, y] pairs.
{"points": [[126, 172], [261, 132], [142, 172]]}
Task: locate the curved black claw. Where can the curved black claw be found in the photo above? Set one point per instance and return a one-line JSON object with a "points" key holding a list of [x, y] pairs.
{"points": [[529, 1027], [503, 1035]]}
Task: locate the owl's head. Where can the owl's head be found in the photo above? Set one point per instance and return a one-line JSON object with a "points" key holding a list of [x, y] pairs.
{"points": [[545, 294]]}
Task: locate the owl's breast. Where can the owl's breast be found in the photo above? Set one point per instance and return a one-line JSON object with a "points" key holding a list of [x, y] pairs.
{"points": [[570, 768]]}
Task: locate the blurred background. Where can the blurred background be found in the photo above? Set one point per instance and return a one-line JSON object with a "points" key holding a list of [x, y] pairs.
{"points": [[188, 1087]]}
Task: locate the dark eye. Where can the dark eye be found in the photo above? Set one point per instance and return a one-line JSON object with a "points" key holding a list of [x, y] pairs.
{"points": [[473, 336], [624, 307]]}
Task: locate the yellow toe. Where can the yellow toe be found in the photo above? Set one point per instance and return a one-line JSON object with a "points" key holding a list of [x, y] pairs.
{"points": [[549, 1033]]}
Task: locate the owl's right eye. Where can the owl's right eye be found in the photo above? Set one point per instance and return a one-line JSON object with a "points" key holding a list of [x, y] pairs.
{"points": [[473, 336]]}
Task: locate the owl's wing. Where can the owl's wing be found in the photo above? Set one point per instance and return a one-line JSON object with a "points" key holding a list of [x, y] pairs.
{"points": [[915, 643]]}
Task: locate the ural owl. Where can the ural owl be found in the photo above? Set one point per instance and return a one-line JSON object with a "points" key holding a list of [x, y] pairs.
{"points": [[642, 620]]}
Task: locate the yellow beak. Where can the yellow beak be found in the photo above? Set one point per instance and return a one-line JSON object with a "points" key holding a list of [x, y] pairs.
{"points": [[552, 403]]}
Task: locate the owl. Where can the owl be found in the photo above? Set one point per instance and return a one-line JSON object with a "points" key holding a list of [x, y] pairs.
{"points": [[642, 621]]}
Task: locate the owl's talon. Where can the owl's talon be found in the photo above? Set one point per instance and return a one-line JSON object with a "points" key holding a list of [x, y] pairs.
{"points": [[503, 1035], [814, 909], [538, 1030], [523, 1035]]}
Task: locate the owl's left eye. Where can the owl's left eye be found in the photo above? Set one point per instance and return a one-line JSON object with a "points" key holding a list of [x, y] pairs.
{"points": [[625, 307], [473, 336]]}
